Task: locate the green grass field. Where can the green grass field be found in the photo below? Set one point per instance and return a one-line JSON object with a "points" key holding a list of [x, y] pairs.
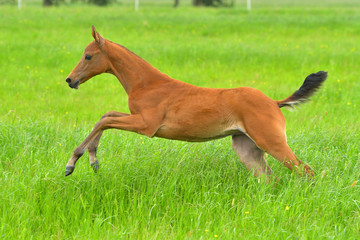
{"points": [[161, 189]]}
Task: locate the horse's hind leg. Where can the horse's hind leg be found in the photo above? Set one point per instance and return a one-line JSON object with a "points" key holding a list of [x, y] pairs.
{"points": [[250, 155], [284, 154], [273, 141], [92, 148]]}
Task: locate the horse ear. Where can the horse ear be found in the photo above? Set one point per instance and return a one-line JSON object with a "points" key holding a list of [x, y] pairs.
{"points": [[98, 39]]}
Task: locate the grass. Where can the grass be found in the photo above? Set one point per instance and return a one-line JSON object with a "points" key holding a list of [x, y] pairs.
{"points": [[160, 189]]}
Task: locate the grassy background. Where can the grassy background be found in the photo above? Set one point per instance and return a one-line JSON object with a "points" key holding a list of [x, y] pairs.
{"points": [[160, 189]]}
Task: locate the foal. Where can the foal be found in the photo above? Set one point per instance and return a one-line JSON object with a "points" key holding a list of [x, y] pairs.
{"points": [[164, 107]]}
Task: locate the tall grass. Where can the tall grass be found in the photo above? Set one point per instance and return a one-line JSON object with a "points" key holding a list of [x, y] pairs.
{"points": [[160, 189]]}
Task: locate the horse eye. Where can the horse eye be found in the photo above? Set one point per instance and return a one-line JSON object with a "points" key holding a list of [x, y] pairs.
{"points": [[88, 57]]}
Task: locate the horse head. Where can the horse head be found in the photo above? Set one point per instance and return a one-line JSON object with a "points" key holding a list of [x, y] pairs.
{"points": [[92, 63]]}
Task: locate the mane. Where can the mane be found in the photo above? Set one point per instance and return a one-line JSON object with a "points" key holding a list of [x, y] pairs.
{"points": [[146, 63], [126, 49]]}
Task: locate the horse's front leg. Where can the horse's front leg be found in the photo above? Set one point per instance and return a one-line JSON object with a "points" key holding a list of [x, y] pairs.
{"points": [[133, 123], [93, 146]]}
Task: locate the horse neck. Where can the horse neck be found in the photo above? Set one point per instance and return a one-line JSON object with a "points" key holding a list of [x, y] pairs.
{"points": [[132, 71]]}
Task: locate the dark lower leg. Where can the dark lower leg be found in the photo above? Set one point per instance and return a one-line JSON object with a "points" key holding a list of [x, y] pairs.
{"points": [[92, 152]]}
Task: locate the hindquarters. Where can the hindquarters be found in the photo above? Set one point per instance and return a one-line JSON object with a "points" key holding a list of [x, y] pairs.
{"points": [[265, 125]]}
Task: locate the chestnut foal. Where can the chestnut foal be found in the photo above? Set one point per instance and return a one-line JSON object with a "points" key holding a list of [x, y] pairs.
{"points": [[164, 107]]}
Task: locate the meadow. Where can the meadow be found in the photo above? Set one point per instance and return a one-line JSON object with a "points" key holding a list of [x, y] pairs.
{"points": [[161, 189]]}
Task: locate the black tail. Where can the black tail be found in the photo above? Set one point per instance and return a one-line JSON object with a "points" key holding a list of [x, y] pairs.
{"points": [[311, 84]]}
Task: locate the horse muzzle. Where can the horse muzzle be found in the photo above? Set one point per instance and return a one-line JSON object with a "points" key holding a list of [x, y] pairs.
{"points": [[71, 84]]}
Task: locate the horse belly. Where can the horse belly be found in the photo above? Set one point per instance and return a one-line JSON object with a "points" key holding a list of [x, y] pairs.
{"points": [[201, 116], [199, 130]]}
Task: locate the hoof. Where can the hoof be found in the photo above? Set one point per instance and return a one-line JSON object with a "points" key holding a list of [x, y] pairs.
{"points": [[310, 173], [69, 170], [95, 165]]}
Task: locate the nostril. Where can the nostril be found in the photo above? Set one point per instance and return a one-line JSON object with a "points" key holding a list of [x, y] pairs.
{"points": [[68, 80]]}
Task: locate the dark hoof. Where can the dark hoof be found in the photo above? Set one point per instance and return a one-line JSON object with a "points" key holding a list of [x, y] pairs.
{"points": [[95, 165], [69, 170]]}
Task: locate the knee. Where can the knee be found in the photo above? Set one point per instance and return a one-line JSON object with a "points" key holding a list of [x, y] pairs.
{"points": [[100, 125]]}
